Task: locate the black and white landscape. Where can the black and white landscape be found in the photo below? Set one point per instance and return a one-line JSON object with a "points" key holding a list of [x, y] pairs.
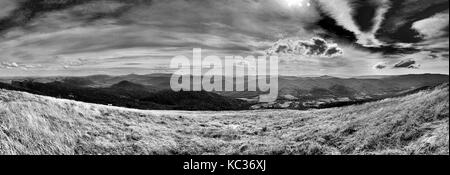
{"points": [[94, 77]]}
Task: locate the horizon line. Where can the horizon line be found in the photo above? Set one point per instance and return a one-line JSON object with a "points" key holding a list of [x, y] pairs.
{"points": [[299, 76]]}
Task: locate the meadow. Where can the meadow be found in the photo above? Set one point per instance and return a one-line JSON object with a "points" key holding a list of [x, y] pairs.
{"points": [[414, 124]]}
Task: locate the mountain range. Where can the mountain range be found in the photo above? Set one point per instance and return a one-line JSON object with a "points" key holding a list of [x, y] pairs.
{"points": [[153, 91]]}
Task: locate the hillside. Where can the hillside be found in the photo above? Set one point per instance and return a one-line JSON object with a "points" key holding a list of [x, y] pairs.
{"points": [[414, 124], [325, 87], [130, 95]]}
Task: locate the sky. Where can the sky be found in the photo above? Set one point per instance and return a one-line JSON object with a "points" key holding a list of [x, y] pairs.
{"points": [[311, 37]]}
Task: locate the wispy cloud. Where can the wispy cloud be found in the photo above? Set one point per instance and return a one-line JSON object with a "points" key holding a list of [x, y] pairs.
{"points": [[14, 65], [439, 23], [7, 6]]}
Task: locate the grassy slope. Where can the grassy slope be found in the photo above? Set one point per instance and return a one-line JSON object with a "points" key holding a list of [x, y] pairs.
{"points": [[416, 124]]}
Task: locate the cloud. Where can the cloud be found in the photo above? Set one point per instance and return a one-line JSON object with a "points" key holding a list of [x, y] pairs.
{"points": [[14, 65], [432, 27], [371, 14], [341, 11], [7, 6], [313, 47], [345, 13], [99, 35], [383, 7], [380, 66], [427, 61], [68, 62], [9, 65], [402, 14], [232, 27], [407, 63], [379, 25]]}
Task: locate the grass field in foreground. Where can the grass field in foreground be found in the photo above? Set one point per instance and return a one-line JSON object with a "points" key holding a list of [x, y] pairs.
{"points": [[415, 124]]}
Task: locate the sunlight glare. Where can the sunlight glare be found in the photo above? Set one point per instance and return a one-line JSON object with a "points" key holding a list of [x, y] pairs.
{"points": [[297, 3]]}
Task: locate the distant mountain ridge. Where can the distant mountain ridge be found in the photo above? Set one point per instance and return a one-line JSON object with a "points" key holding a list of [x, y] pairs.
{"points": [[130, 95], [294, 92]]}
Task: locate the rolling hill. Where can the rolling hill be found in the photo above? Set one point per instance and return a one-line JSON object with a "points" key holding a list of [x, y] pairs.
{"points": [[413, 124], [130, 95]]}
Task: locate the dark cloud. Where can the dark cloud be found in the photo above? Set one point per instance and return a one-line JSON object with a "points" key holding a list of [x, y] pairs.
{"points": [[314, 47], [29, 10], [333, 51], [383, 26], [366, 23], [335, 31], [408, 63], [380, 66], [397, 27], [390, 49], [403, 64]]}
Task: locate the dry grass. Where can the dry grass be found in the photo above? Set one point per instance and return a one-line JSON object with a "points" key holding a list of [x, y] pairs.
{"points": [[416, 124]]}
